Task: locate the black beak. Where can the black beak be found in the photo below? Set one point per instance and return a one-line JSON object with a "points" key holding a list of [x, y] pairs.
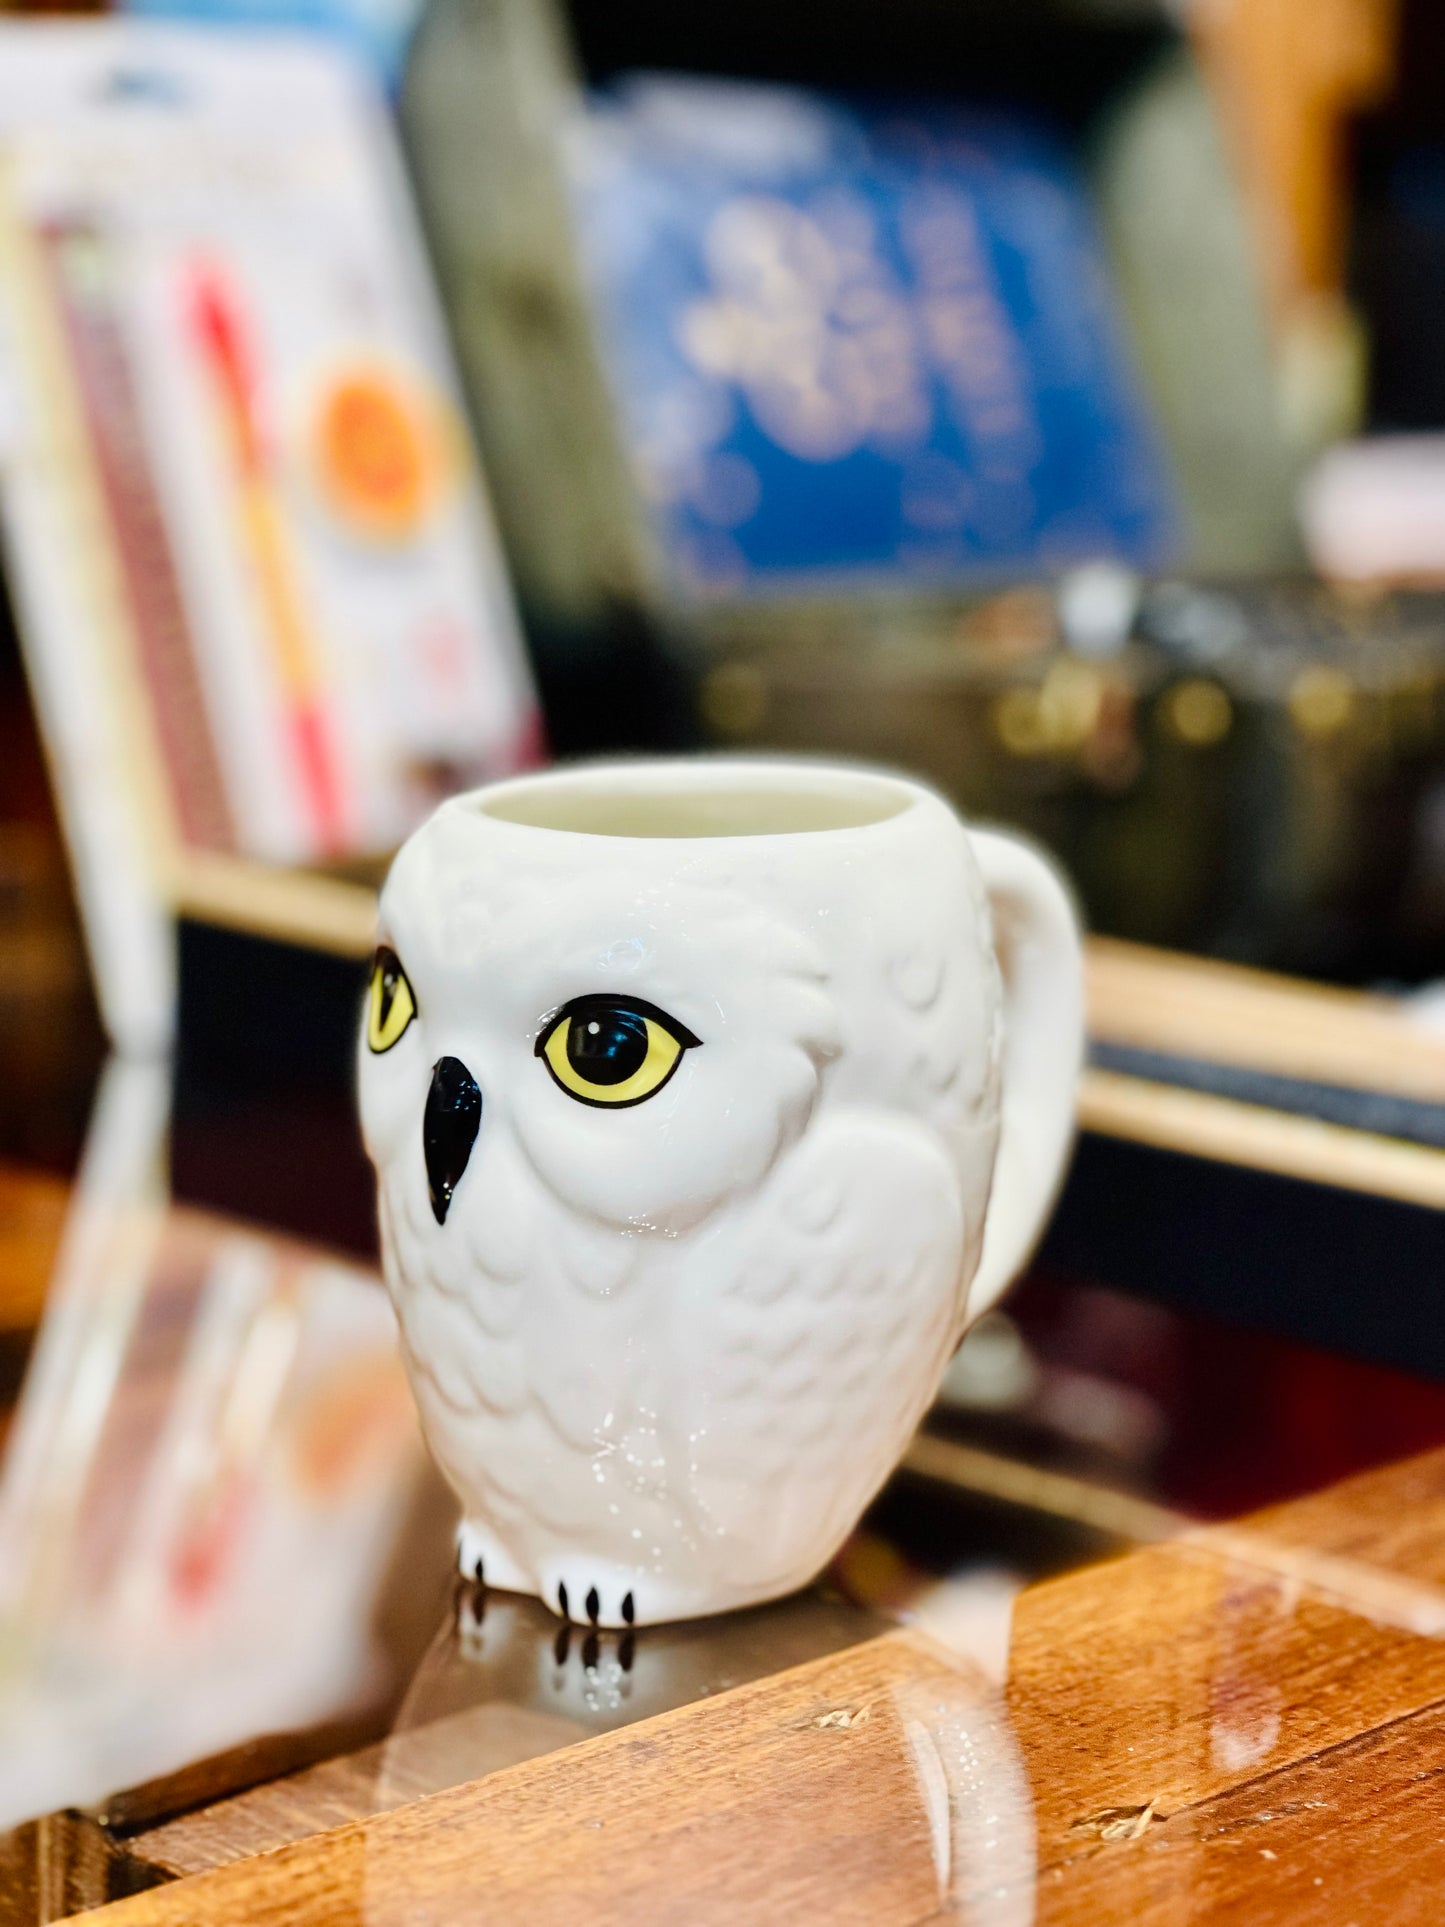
{"points": [[449, 1130]]}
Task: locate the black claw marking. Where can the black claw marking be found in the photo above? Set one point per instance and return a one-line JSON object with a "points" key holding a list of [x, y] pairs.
{"points": [[626, 1647], [628, 1609], [591, 1651], [562, 1599], [479, 1575], [594, 1605], [562, 1645]]}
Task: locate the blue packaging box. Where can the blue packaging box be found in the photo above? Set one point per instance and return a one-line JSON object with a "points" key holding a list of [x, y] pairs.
{"points": [[855, 340]]}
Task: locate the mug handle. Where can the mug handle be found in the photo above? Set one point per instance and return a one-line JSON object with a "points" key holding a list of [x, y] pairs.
{"points": [[1036, 936]]}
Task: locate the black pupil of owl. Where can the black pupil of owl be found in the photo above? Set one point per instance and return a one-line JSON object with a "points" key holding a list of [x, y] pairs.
{"points": [[388, 969], [607, 1045]]}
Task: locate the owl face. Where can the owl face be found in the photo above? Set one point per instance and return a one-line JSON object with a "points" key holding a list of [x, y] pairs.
{"points": [[648, 1043]]}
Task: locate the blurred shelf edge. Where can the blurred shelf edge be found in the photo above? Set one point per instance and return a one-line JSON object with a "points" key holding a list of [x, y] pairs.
{"points": [[1199, 1124], [1257, 1148], [1155, 1010], [334, 914], [1189, 1006]]}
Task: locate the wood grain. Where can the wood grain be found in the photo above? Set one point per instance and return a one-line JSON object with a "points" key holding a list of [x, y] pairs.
{"points": [[481, 1740], [1194, 1731], [795, 1797], [493, 1690], [1353, 1834], [1171, 1682], [1183, 1676], [1392, 1518]]}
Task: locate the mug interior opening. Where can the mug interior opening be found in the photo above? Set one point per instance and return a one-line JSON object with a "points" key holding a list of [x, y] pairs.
{"points": [[620, 804]]}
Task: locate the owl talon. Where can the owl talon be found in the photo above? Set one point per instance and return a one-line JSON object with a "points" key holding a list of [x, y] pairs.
{"points": [[483, 1560], [585, 1601]]}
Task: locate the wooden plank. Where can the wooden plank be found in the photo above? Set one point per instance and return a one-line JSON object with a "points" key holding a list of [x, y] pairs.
{"points": [[1391, 1518], [1175, 1675], [1174, 1685], [1123, 1516], [1352, 1835], [497, 1690], [221, 1777], [1161, 1709], [793, 1797], [1161, 1000], [1192, 1667], [62, 1864], [448, 1752], [1198, 1124], [332, 913]]}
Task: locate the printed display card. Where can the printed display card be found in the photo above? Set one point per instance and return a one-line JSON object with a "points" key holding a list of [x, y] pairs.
{"points": [[255, 572]]}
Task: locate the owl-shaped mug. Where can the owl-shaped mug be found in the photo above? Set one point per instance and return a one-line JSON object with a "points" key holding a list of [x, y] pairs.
{"points": [[709, 1101]]}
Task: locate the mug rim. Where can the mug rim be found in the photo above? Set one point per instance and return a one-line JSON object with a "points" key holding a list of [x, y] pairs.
{"points": [[862, 797]]}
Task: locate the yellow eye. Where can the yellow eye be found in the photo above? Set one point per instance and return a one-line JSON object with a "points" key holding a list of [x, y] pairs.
{"points": [[613, 1050], [390, 1005]]}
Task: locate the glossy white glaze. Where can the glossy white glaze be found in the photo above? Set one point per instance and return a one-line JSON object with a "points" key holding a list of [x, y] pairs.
{"points": [[666, 1352]]}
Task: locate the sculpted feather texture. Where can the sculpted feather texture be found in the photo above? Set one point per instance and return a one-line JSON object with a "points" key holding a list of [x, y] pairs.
{"points": [[699, 1276]]}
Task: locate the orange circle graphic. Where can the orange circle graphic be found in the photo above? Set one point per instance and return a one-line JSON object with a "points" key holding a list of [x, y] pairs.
{"points": [[377, 455]]}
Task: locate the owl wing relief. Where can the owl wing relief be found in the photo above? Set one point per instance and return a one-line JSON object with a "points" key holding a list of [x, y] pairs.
{"points": [[462, 1307], [522, 1341], [818, 1319]]}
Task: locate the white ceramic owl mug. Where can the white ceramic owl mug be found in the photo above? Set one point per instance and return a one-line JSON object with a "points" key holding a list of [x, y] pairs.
{"points": [[704, 1122]]}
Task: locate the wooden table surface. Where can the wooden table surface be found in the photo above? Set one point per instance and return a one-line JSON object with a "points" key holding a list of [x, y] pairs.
{"points": [[1247, 1723], [1240, 1723]]}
